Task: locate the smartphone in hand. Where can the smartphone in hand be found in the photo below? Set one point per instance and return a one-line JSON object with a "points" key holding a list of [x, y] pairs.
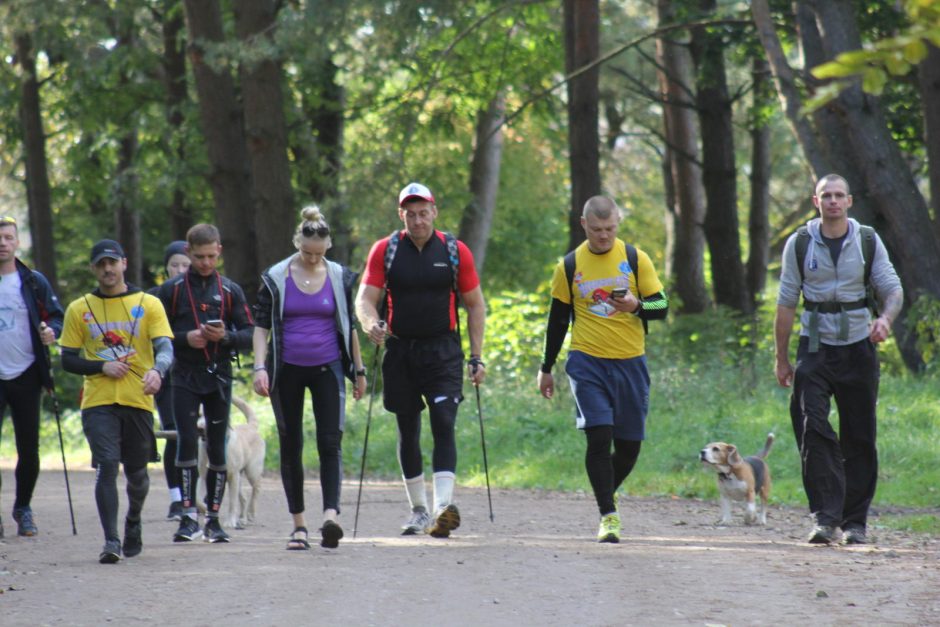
{"points": [[214, 323], [618, 292]]}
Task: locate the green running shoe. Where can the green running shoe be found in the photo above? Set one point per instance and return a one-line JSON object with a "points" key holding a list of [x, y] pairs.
{"points": [[610, 528]]}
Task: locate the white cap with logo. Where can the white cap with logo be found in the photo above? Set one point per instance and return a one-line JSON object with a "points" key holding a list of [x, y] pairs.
{"points": [[414, 191]]}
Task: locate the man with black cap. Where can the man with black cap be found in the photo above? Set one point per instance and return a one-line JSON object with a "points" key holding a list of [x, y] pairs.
{"points": [[125, 343], [175, 262], [30, 320], [423, 272]]}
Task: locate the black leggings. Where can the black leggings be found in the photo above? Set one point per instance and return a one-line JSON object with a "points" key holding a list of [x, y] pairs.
{"points": [[216, 406], [443, 416], [22, 395], [164, 402], [605, 471], [106, 495], [327, 391]]}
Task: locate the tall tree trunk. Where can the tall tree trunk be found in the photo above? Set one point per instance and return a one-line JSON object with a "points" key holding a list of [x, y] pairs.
{"points": [[582, 46], [174, 68], [758, 218], [928, 74], [275, 215], [124, 197], [719, 171], [327, 116], [901, 213], [675, 79], [124, 187], [38, 194], [222, 126], [484, 179]]}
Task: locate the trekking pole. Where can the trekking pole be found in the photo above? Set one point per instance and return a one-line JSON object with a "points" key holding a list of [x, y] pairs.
{"points": [[486, 469], [365, 444], [58, 424]]}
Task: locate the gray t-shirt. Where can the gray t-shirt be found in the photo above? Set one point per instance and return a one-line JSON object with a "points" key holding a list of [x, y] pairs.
{"points": [[17, 354]]}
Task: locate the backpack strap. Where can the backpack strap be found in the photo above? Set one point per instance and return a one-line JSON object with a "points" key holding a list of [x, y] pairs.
{"points": [[453, 260], [633, 260], [569, 275], [802, 243]]}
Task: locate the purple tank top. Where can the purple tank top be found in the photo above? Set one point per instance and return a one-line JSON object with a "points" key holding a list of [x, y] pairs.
{"points": [[310, 337]]}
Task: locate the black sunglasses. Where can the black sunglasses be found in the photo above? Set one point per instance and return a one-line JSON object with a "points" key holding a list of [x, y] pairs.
{"points": [[309, 230]]}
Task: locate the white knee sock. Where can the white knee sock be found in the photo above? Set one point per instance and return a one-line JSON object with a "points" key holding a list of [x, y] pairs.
{"points": [[417, 496], [443, 489]]}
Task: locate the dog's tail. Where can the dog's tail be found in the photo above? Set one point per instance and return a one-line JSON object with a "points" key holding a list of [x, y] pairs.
{"points": [[767, 445], [250, 416]]}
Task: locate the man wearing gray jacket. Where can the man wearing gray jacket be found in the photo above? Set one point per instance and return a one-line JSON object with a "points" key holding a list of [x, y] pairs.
{"points": [[836, 357]]}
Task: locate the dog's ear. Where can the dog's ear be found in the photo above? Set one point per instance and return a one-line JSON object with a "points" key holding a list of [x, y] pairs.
{"points": [[734, 457]]}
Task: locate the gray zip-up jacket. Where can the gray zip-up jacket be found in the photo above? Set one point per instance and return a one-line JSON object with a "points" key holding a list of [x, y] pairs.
{"points": [[269, 312], [825, 282]]}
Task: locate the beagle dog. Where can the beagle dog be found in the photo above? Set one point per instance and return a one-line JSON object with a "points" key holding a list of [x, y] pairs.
{"points": [[740, 478]]}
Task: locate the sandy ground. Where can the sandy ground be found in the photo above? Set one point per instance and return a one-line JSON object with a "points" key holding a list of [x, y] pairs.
{"points": [[537, 564]]}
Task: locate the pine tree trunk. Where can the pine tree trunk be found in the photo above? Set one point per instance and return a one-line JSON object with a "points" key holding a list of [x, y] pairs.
{"points": [[758, 219], [222, 126], [275, 216], [582, 46], [928, 74], [174, 67], [681, 129], [38, 194], [484, 180]]}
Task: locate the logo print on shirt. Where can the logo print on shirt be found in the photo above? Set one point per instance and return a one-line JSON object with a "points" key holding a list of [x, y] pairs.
{"points": [[137, 311]]}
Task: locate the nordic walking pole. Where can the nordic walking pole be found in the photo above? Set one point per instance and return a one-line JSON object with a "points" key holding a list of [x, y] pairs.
{"points": [[58, 424], [486, 469], [365, 444]]}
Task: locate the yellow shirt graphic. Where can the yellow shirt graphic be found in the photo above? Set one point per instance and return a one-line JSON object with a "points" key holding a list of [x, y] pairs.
{"points": [[121, 328], [599, 330]]}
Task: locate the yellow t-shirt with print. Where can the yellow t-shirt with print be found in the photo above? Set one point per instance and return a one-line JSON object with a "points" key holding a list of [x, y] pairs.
{"points": [[599, 329], [116, 328]]}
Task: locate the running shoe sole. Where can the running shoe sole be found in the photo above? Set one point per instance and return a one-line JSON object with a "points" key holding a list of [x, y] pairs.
{"points": [[446, 521], [331, 533]]}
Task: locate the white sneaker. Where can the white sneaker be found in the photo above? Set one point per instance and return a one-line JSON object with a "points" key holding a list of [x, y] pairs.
{"points": [[418, 523]]}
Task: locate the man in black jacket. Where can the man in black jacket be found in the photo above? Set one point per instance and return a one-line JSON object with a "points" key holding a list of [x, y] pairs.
{"points": [[30, 320], [210, 321]]}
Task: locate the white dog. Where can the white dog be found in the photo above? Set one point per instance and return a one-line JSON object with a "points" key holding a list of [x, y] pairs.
{"points": [[244, 455]]}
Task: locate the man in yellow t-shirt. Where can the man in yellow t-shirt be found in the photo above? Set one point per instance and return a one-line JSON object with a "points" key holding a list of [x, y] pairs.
{"points": [[606, 365], [118, 337]]}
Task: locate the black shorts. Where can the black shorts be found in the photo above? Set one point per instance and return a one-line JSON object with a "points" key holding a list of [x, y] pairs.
{"points": [[415, 370], [120, 433]]}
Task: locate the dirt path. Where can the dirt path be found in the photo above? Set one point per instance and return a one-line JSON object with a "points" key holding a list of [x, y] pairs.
{"points": [[536, 564]]}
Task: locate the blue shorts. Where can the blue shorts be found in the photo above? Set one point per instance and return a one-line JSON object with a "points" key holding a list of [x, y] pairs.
{"points": [[611, 392]]}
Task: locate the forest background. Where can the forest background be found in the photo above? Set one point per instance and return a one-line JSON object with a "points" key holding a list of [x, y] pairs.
{"points": [[707, 120]]}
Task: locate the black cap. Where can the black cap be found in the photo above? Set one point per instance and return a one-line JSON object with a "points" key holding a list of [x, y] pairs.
{"points": [[173, 248], [106, 248]]}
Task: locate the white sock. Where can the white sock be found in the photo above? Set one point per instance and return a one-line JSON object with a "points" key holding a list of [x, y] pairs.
{"points": [[417, 496], [175, 495], [443, 489]]}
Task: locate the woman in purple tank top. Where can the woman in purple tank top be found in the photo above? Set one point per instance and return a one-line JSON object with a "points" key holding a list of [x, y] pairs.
{"points": [[305, 339]]}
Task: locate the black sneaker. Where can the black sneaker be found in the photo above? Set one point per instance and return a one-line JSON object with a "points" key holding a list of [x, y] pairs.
{"points": [[821, 534], [111, 553], [331, 533], [446, 520], [176, 511], [133, 543], [214, 533], [189, 530], [24, 521], [854, 535]]}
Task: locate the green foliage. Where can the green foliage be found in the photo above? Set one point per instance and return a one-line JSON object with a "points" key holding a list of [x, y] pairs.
{"points": [[890, 56], [924, 317], [515, 331]]}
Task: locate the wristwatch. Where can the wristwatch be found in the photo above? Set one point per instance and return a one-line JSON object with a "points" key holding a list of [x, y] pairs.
{"points": [[361, 372]]}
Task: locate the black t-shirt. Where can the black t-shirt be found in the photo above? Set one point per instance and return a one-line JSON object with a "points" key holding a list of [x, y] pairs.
{"points": [[835, 246]]}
